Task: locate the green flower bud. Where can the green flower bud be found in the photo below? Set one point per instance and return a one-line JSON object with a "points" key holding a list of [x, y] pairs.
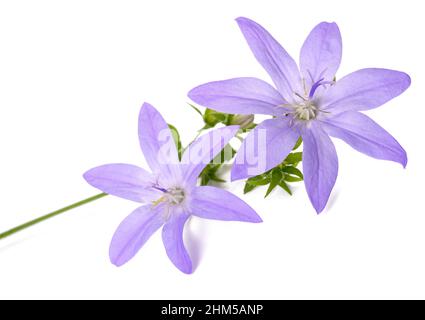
{"points": [[243, 120], [211, 117]]}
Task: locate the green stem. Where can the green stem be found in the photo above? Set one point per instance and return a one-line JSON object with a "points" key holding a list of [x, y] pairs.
{"points": [[50, 215]]}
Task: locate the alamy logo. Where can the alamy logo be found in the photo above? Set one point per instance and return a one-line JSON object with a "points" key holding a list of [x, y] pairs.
{"points": [[212, 144]]}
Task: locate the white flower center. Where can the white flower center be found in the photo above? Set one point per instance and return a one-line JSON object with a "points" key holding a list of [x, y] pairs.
{"points": [[305, 107], [305, 111], [175, 196]]}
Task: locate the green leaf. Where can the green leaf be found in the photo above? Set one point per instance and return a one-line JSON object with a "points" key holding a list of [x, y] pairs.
{"points": [[276, 176], [196, 109], [294, 158], [177, 140], [298, 144], [260, 180], [217, 179], [285, 187], [205, 179], [294, 171], [289, 178], [206, 175], [209, 173], [248, 188], [260, 176]]}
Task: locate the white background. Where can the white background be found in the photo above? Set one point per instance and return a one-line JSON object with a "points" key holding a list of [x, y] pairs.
{"points": [[73, 75]]}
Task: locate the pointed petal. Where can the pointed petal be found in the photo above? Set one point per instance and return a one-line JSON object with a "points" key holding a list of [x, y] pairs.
{"points": [[218, 204], [321, 53], [134, 231], [366, 136], [172, 236], [320, 166], [123, 180], [238, 96], [275, 60], [203, 150], [364, 89], [264, 148], [157, 143]]}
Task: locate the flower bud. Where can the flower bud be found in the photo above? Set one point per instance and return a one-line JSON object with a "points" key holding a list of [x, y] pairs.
{"points": [[242, 120]]}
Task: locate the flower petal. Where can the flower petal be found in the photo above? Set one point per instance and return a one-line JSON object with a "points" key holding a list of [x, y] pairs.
{"points": [[157, 143], [203, 150], [134, 231], [275, 60], [238, 96], [123, 180], [320, 166], [364, 89], [172, 236], [218, 204], [366, 136], [321, 53], [264, 148]]}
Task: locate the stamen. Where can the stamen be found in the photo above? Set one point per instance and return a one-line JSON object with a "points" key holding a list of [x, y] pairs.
{"points": [[323, 111], [300, 96], [159, 188], [157, 202], [310, 75], [284, 105], [304, 87]]}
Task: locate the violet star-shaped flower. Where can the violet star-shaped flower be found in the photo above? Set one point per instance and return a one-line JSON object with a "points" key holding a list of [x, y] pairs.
{"points": [[169, 194], [307, 102]]}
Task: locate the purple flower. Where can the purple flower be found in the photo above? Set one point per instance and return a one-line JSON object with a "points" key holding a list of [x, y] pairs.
{"points": [[307, 102], [169, 194]]}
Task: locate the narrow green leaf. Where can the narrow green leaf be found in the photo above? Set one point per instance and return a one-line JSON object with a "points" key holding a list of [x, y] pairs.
{"points": [[294, 158], [294, 171], [212, 167], [248, 188], [276, 176], [298, 144], [285, 187], [260, 181], [260, 176], [204, 180], [289, 178], [176, 138], [217, 179], [209, 173], [196, 109]]}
